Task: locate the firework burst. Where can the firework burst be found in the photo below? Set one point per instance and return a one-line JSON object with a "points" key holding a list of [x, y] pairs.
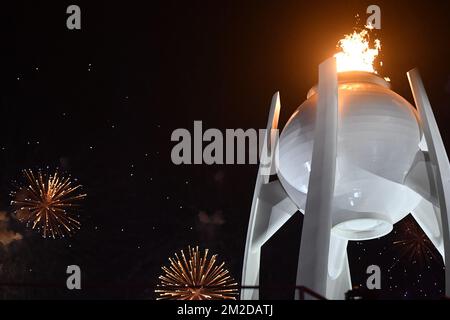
{"points": [[415, 245], [196, 278], [45, 203]]}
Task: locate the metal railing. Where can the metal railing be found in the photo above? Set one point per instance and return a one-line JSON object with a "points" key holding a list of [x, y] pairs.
{"points": [[301, 290]]}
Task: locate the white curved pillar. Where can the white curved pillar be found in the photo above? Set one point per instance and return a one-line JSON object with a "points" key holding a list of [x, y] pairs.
{"points": [[438, 157], [271, 208]]}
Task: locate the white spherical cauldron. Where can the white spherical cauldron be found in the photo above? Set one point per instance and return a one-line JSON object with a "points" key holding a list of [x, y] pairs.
{"points": [[378, 138]]}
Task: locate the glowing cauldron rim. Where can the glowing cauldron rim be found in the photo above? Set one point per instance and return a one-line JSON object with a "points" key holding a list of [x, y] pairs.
{"points": [[355, 77]]}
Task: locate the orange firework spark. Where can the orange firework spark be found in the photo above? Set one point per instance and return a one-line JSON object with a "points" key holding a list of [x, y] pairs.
{"points": [[196, 278], [44, 203], [415, 245]]}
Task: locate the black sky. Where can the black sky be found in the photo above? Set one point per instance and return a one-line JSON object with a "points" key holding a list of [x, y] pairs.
{"points": [[101, 104]]}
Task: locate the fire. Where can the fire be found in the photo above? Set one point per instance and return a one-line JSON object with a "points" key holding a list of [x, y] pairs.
{"points": [[356, 54]]}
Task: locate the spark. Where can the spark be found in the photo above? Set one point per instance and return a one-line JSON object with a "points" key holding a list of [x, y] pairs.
{"points": [[44, 202], [414, 244], [196, 277]]}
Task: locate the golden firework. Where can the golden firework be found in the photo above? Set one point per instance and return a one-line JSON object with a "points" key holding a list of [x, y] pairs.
{"points": [[415, 245], [196, 278], [44, 203]]}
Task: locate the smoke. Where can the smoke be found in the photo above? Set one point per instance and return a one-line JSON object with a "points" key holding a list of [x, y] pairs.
{"points": [[209, 224], [215, 219], [7, 236]]}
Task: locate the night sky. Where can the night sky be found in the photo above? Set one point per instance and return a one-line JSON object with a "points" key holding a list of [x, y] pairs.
{"points": [[101, 104]]}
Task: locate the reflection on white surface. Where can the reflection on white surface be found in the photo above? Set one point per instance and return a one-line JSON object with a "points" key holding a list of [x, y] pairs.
{"points": [[378, 138]]}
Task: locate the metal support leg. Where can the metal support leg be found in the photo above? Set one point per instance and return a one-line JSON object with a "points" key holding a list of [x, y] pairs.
{"points": [[312, 269], [438, 157]]}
